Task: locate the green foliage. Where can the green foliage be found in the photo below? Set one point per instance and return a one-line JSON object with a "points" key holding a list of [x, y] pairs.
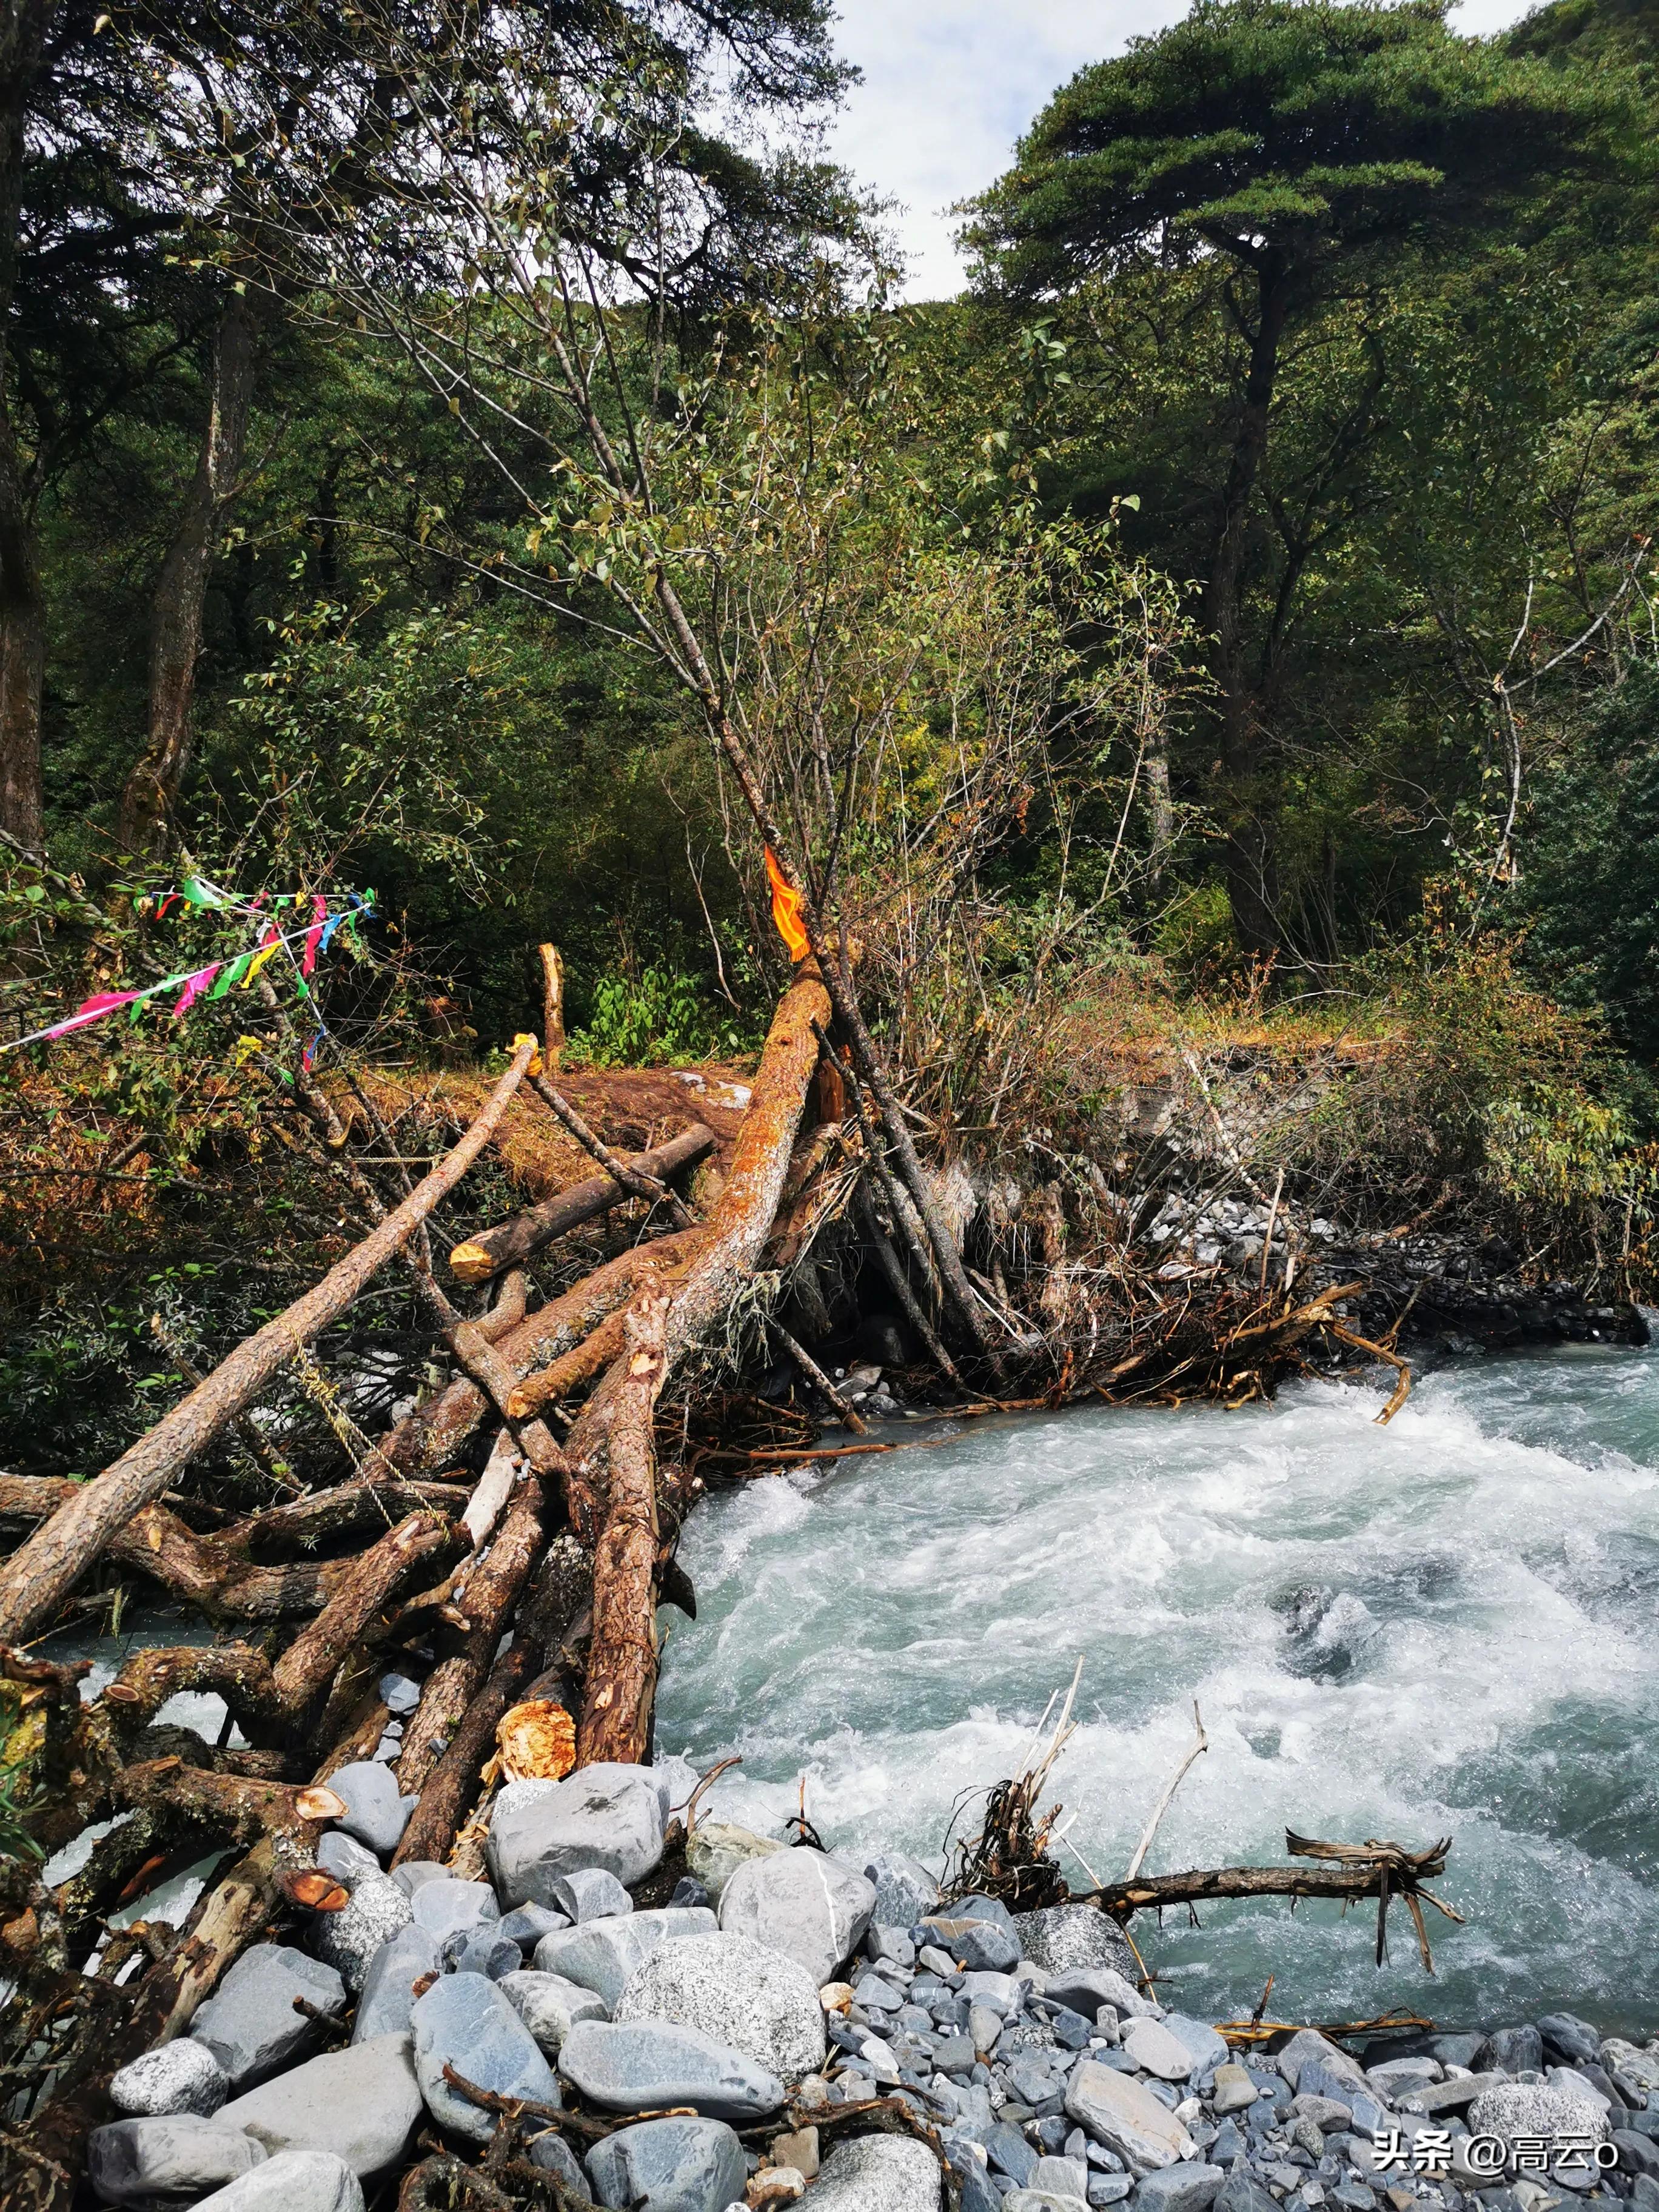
{"points": [[659, 1017]]}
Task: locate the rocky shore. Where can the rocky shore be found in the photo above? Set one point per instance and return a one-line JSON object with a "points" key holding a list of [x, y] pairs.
{"points": [[685, 2024]]}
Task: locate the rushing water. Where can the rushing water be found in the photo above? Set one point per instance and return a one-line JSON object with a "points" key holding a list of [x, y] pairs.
{"points": [[1448, 1626]]}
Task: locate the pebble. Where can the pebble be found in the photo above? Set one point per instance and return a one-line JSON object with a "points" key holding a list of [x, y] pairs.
{"points": [[527, 1924], [589, 1894], [375, 1814], [1085, 1989], [466, 2023], [737, 1991], [716, 1849], [550, 2006], [803, 1903], [1156, 2050], [1234, 2090], [1207, 2049], [1185, 2188], [603, 1953], [980, 1946], [292, 2181], [361, 2103], [606, 1815], [399, 1695], [182, 2076], [673, 2165], [646, 2064], [250, 2025]]}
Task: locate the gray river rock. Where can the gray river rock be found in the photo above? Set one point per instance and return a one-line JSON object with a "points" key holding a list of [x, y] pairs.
{"points": [[250, 2024], [739, 1992], [361, 2103], [676, 2166], [648, 2065], [467, 2023]]}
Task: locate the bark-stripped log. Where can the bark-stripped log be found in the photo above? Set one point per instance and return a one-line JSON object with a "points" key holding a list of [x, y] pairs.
{"points": [[486, 1600], [622, 1669], [39, 1576], [513, 1241], [719, 1259], [432, 1436]]}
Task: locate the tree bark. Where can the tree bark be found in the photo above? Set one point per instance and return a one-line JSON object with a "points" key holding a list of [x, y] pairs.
{"points": [[513, 1241], [176, 610], [1248, 860], [24, 25], [40, 1575]]}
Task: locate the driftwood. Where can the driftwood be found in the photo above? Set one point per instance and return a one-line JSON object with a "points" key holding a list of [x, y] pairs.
{"points": [[39, 1576], [481, 1257]]}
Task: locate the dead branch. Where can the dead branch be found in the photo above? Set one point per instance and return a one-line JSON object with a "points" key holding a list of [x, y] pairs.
{"points": [[40, 1575], [634, 1180], [516, 1240]]}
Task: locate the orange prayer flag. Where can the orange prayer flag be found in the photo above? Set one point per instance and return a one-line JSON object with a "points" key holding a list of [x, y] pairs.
{"points": [[786, 910]]}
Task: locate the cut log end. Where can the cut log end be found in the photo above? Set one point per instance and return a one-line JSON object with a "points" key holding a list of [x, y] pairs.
{"points": [[471, 1263]]}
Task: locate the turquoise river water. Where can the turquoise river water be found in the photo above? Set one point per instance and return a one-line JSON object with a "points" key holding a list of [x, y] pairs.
{"points": [[1449, 1626]]}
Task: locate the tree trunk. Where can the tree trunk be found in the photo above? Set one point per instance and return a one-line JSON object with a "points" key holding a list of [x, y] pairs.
{"points": [[175, 642], [23, 28], [1248, 859]]}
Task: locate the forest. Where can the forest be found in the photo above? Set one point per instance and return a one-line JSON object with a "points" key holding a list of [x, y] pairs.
{"points": [[556, 731]]}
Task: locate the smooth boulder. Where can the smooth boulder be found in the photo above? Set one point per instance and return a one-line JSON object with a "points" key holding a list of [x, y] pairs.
{"points": [[172, 2157], [292, 2181], [1123, 2114], [648, 2064], [361, 2103], [602, 1954], [675, 2166], [737, 1990], [803, 1903], [464, 2022], [375, 1813], [250, 2024], [605, 1815], [443, 1907]]}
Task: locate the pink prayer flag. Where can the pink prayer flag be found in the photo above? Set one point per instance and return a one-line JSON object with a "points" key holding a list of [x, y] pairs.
{"points": [[102, 1002], [314, 934], [194, 987]]}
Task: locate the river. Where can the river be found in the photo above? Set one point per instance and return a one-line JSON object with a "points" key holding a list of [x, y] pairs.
{"points": [[1447, 1626]]}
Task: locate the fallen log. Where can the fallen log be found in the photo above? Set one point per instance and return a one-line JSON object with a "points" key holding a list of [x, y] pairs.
{"points": [[622, 1667], [633, 1178], [514, 1241], [718, 1263], [37, 1578]]}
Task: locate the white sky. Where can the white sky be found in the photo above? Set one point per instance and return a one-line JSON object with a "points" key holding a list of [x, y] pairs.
{"points": [[948, 85]]}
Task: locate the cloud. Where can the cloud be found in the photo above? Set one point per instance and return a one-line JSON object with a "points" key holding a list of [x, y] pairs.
{"points": [[949, 86]]}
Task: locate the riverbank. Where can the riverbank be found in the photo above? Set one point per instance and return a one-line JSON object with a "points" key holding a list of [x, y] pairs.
{"points": [[821, 2030]]}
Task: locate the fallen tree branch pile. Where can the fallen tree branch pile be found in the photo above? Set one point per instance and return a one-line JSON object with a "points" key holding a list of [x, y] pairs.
{"points": [[517, 1529]]}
